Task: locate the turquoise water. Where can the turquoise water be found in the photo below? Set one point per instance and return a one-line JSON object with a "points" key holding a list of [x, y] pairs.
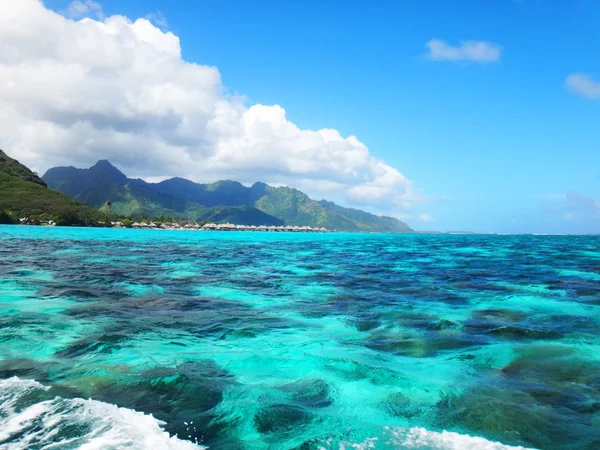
{"points": [[149, 339]]}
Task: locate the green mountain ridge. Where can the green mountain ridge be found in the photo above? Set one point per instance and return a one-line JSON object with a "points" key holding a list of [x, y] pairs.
{"points": [[14, 168], [222, 201], [103, 182], [288, 204], [24, 194]]}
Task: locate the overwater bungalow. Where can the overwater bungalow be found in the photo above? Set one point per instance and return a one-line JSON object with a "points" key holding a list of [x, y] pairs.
{"points": [[193, 226]]}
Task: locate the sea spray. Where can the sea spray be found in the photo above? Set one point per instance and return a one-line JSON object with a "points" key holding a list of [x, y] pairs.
{"points": [[75, 423]]}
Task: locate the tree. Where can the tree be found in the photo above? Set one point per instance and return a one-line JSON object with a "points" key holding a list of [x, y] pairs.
{"points": [[5, 218]]}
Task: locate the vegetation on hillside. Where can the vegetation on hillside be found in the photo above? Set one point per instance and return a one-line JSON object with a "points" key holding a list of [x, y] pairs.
{"points": [[223, 201], [239, 215], [288, 205], [366, 220], [25, 199], [14, 168], [226, 192]]}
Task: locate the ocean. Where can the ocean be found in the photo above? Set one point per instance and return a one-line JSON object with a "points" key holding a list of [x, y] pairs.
{"points": [[133, 339]]}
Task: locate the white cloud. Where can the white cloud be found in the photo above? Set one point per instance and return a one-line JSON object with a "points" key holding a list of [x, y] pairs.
{"points": [[72, 92], [158, 19], [584, 84], [85, 8], [478, 51], [554, 196], [572, 206], [426, 218]]}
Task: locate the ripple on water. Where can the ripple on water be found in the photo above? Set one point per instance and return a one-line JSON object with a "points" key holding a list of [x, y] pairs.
{"points": [[257, 341]]}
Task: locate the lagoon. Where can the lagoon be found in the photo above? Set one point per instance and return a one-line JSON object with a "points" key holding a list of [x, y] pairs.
{"points": [[240, 340]]}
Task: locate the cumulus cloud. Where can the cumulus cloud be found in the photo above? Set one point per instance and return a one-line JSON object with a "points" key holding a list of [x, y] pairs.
{"points": [[426, 218], [477, 51], [584, 84], [72, 92]]}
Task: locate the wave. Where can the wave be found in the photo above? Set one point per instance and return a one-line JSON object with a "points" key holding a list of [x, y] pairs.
{"points": [[399, 438], [28, 418], [446, 440]]}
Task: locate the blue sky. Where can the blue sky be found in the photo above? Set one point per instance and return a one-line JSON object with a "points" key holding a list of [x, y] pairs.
{"points": [[502, 146]]}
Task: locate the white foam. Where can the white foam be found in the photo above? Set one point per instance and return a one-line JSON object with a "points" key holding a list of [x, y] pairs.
{"points": [[13, 389], [397, 438], [49, 424], [446, 440], [21, 384]]}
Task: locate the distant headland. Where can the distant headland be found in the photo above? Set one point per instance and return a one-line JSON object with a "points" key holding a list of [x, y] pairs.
{"points": [[102, 194]]}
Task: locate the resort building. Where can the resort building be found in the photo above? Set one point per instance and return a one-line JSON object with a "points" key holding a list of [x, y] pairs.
{"points": [[193, 226]]}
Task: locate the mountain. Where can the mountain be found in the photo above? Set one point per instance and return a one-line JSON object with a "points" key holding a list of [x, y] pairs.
{"points": [[14, 168], [226, 192], [367, 219], [103, 182], [290, 205], [239, 215], [223, 201], [87, 184], [297, 208], [24, 194]]}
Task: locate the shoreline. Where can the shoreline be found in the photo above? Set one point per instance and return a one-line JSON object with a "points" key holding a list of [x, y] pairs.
{"points": [[231, 227]]}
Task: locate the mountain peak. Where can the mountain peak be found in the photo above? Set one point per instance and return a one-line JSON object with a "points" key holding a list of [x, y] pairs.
{"points": [[108, 170], [103, 164], [224, 200]]}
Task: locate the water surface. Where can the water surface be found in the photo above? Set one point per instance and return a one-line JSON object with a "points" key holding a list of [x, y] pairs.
{"points": [[239, 340]]}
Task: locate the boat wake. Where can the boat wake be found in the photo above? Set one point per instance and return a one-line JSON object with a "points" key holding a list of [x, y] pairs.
{"points": [[399, 438], [420, 438], [28, 419]]}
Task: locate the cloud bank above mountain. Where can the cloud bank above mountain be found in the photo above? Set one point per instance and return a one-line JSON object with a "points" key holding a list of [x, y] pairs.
{"points": [[74, 91]]}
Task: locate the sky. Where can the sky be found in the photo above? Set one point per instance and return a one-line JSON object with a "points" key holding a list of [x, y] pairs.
{"points": [[450, 115]]}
